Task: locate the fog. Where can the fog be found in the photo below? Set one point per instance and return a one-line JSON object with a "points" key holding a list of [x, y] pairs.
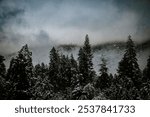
{"points": [[45, 23]]}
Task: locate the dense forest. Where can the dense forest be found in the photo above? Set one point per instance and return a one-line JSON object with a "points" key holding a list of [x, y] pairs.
{"points": [[68, 79]]}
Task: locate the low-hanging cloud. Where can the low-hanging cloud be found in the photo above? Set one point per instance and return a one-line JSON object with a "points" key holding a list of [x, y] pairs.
{"points": [[51, 22]]}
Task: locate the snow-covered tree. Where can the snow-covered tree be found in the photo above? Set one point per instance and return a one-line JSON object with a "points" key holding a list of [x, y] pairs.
{"points": [[146, 72], [88, 92], [145, 90], [20, 74], [65, 72], [41, 70], [85, 62], [129, 73], [42, 88], [3, 89], [103, 80], [54, 67], [83, 93], [74, 72], [2, 66], [128, 66]]}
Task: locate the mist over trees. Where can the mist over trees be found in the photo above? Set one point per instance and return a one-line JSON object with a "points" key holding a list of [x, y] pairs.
{"points": [[66, 78]]}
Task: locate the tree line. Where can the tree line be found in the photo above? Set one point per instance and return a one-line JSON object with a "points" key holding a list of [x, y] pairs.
{"points": [[66, 78]]}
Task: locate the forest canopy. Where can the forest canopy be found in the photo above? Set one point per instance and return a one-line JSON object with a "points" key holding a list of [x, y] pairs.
{"points": [[66, 78]]}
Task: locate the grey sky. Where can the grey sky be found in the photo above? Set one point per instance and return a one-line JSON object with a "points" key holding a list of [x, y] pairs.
{"points": [[48, 22]]}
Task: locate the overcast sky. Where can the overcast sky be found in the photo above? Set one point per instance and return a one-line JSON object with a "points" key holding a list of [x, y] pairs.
{"points": [[50, 22]]}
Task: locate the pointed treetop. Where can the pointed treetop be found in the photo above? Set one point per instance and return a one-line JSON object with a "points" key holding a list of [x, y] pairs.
{"points": [[86, 40], [24, 49], [86, 37], [26, 46], [129, 37], [53, 49]]}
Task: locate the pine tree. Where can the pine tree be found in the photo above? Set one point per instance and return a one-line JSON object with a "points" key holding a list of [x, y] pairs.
{"points": [[113, 92], [74, 72], [73, 62], [37, 70], [81, 60], [54, 69], [85, 63], [129, 73], [41, 70], [3, 89], [83, 93], [145, 90], [42, 89], [77, 92], [146, 72], [88, 92], [128, 66], [20, 74], [2, 66], [65, 71], [104, 80]]}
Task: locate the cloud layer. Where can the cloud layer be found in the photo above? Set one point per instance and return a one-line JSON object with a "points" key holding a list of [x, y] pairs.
{"points": [[50, 22]]}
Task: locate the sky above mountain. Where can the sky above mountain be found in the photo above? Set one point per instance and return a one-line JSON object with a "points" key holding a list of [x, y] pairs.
{"points": [[52, 22]]}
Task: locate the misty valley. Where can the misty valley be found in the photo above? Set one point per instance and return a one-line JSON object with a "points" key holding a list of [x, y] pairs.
{"points": [[111, 71]]}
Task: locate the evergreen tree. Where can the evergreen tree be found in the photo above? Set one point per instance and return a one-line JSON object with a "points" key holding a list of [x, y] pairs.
{"points": [[129, 73], [2, 66], [88, 92], [83, 93], [85, 63], [20, 74], [68, 75], [77, 92], [145, 90], [41, 70], [3, 89], [113, 92], [42, 88], [128, 66], [65, 71], [74, 72], [146, 72], [54, 69], [104, 80], [37, 70]]}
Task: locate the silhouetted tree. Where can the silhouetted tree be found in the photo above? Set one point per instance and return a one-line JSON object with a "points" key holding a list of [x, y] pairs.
{"points": [[65, 71], [129, 73], [104, 80], [74, 72], [3, 90], [41, 70], [85, 62], [146, 72], [54, 69], [20, 74], [2, 66], [145, 90]]}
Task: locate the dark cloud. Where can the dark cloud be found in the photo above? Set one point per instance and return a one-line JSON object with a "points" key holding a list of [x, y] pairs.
{"points": [[7, 15], [142, 8], [47, 22]]}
